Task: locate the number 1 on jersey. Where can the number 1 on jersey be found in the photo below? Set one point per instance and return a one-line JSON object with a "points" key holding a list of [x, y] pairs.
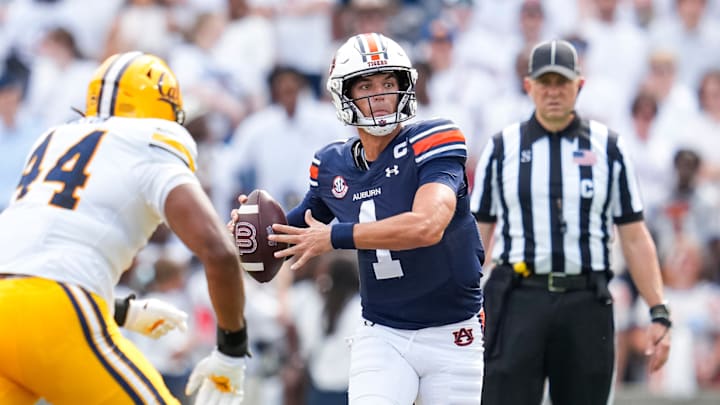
{"points": [[386, 267]]}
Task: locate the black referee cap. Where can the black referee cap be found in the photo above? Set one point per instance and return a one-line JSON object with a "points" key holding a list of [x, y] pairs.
{"points": [[555, 56]]}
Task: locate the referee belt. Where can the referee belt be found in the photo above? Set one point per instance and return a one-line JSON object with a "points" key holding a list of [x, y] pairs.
{"points": [[561, 282]]}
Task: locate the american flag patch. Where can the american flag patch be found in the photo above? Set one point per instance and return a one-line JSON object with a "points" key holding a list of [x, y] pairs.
{"points": [[584, 157]]}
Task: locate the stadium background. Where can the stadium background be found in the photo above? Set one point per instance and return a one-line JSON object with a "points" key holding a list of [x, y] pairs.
{"points": [[252, 74]]}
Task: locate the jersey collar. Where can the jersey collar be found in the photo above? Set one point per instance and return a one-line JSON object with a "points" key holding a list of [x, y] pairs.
{"points": [[537, 131]]}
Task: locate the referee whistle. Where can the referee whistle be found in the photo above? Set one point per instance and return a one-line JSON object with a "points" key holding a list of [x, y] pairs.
{"points": [[521, 269]]}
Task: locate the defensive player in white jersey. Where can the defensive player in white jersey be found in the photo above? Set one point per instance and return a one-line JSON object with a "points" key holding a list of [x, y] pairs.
{"points": [[91, 194]]}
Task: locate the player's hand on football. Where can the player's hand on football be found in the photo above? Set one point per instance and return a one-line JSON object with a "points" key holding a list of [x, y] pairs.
{"points": [[658, 345], [220, 379], [305, 243], [153, 317], [242, 199]]}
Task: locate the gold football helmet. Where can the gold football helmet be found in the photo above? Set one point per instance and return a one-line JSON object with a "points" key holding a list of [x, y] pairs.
{"points": [[136, 85]]}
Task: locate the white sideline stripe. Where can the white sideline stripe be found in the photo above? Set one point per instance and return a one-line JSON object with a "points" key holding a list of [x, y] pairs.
{"points": [[105, 350], [248, 209], [253, 266]]}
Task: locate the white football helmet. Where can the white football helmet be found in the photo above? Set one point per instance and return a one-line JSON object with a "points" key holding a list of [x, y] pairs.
{"points": [[364, 55]]}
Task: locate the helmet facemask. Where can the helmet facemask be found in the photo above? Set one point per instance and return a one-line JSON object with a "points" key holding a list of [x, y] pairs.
{"points": [[170, 98], [177, 110], [383, 125], [354, 64]]}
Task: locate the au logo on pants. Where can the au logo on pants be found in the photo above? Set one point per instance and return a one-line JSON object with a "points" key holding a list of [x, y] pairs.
{"points": [[463, 337]]}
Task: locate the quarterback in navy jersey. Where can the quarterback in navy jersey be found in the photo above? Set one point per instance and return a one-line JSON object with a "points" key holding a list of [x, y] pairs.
{"points": [[399, 195], [419, 286]]}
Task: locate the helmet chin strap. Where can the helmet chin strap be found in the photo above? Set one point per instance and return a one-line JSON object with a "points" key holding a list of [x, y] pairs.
{"points": [[367, 125], [381, 131], [370, 125]]}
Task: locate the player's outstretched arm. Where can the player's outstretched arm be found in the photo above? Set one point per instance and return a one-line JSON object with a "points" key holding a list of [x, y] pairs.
{"points": [[220, 376], [433, 208], [191, 216]]}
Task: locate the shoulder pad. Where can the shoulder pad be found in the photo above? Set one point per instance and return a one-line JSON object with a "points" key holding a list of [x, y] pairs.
{"points": [[333, 148], [175, 139], [436, 138], [155, 133]]}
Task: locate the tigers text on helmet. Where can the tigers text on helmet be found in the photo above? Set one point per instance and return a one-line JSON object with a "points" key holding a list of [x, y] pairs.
{"points": [[136, 85], [365, 55]]}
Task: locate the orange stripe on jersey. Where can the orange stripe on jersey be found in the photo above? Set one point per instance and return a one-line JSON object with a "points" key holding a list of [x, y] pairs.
{"points": [[438, 139], [372, 46], [314, 172]]}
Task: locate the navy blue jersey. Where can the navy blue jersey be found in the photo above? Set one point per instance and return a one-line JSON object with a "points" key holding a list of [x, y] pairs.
{"points": [[409, 289]]}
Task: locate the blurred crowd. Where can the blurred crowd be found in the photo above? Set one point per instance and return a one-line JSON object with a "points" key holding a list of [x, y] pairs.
{"points": [[252, 74]]}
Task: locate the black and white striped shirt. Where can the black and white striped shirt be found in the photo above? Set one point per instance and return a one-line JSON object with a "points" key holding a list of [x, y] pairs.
{"points": [[555, 196]]}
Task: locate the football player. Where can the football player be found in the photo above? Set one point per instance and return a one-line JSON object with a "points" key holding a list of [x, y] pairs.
{"points": [[399, 195], [91, 194]]}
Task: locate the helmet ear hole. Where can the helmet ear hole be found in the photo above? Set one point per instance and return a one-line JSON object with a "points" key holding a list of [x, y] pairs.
{"points": [[124, 109], [347, 85], [403, 80]]}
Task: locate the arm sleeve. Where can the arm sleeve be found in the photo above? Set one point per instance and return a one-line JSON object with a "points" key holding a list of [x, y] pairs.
{"points": [[626, 201], [438, 139], [448, 171], [159, 175], [483, 194]]}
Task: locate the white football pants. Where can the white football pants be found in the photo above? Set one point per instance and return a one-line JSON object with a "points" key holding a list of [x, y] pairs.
{"points": [[434, 366]]}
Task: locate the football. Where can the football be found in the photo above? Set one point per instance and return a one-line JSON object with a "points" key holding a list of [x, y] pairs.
{"points": [[254, 224]]}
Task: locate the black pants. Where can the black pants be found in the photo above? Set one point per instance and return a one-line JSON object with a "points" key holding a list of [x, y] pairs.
{"points": [[566, 337]]}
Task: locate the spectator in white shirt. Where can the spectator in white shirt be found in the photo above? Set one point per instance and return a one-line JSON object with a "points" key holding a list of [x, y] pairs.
{"points": [[326, 316], [271, 148], [677, 103], [693, 35], [57, 79], [18, 132], [702, 132], [616, 48]]}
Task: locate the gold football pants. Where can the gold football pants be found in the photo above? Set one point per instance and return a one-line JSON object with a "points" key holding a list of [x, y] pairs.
{"points": [[59, 342]]}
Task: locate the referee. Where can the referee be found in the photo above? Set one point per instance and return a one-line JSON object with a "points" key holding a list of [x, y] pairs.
{"points": [[548, 192]]}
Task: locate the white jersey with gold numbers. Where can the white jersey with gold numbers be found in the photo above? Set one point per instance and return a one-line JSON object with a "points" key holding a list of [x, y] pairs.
{"points": [[92, 193]]}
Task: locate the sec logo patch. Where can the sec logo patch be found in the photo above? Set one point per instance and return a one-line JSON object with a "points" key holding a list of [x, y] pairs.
{"points": [[339, 187]]}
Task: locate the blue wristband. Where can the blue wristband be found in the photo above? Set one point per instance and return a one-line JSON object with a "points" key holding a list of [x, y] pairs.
{"points": [[341, 236]]}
